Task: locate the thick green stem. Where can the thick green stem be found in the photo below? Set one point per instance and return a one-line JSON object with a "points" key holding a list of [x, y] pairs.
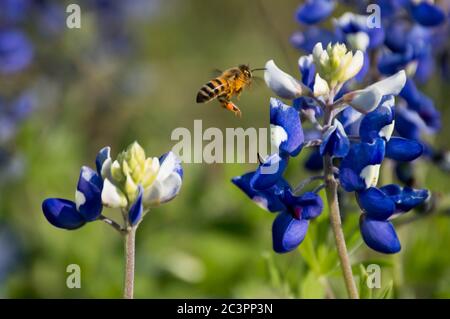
{"points": [[129, 263], [331, 187]]}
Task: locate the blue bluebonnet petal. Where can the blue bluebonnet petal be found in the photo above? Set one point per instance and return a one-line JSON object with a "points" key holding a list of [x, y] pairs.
{"points": [[427, 14], [405, 198], [62, 213], [395, 38], [314, 11], [379, 235], [306, 206], [335, 141], [89, 194], [365, 68], [375, 203], [360, 156], [376, 36], [286, 128], [16, 51], [307, 70], [267, 199], [306, 40], [391, 63], [288, 232], [103, 155], [403, 150], [269, 172], [422, 104], [23, 105], [380, 122], [136, 210]]}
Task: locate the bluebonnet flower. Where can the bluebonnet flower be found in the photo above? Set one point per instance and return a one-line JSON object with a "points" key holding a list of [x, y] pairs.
{"points": [[286, 128], [380, 205], [294, 212], [11, 251], [13, 11], [412, 36], [427, 13], [132, 182], [314, 11], [368, 114], [87, 206], [359, 172], [16, 51], [12, 113]]}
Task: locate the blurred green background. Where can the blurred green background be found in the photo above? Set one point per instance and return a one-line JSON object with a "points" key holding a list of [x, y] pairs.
{"points": [[211, 241]]}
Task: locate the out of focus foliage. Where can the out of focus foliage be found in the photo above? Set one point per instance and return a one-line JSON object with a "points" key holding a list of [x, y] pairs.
{"points": [[131, 73]]}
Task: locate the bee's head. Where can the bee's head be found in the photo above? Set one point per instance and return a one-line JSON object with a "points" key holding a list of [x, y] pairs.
{"points": [[245, 68]]}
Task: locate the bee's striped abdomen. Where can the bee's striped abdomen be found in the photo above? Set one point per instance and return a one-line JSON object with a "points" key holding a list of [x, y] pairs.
{"points": [[211, 90]]}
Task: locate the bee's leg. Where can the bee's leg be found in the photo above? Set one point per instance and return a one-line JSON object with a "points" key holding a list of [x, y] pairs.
{"points": [[238, 93], [230, 106]]}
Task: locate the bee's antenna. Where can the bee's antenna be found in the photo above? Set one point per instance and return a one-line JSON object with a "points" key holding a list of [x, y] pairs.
{"points": [[259, 69]]}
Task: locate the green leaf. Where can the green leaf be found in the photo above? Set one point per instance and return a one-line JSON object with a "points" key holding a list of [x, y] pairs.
{"points": [[387, 291], [307, 250], [364, 291], [274, 272], [311, 287]]}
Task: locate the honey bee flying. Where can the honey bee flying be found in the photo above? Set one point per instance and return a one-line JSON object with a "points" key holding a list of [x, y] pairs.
{"points": [[230, 83]]}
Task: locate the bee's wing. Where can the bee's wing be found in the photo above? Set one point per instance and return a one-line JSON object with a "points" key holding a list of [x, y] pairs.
{"points": [[256, 81], [216, 72]]}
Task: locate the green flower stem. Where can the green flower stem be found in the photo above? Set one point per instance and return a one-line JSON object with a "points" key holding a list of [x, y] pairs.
{"points": [[307, 181], [112, 223], [130, 237], [331, 187]]}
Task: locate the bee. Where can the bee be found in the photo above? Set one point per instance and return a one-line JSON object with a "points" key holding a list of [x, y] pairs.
{"points": [[228, 84]]}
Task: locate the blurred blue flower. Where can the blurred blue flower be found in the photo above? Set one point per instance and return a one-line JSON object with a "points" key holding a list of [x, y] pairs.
{"points": [[16, 51], [13, 113], [314, 11], [306, 40], [13, 11], [10, 252], [427, 13]]}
